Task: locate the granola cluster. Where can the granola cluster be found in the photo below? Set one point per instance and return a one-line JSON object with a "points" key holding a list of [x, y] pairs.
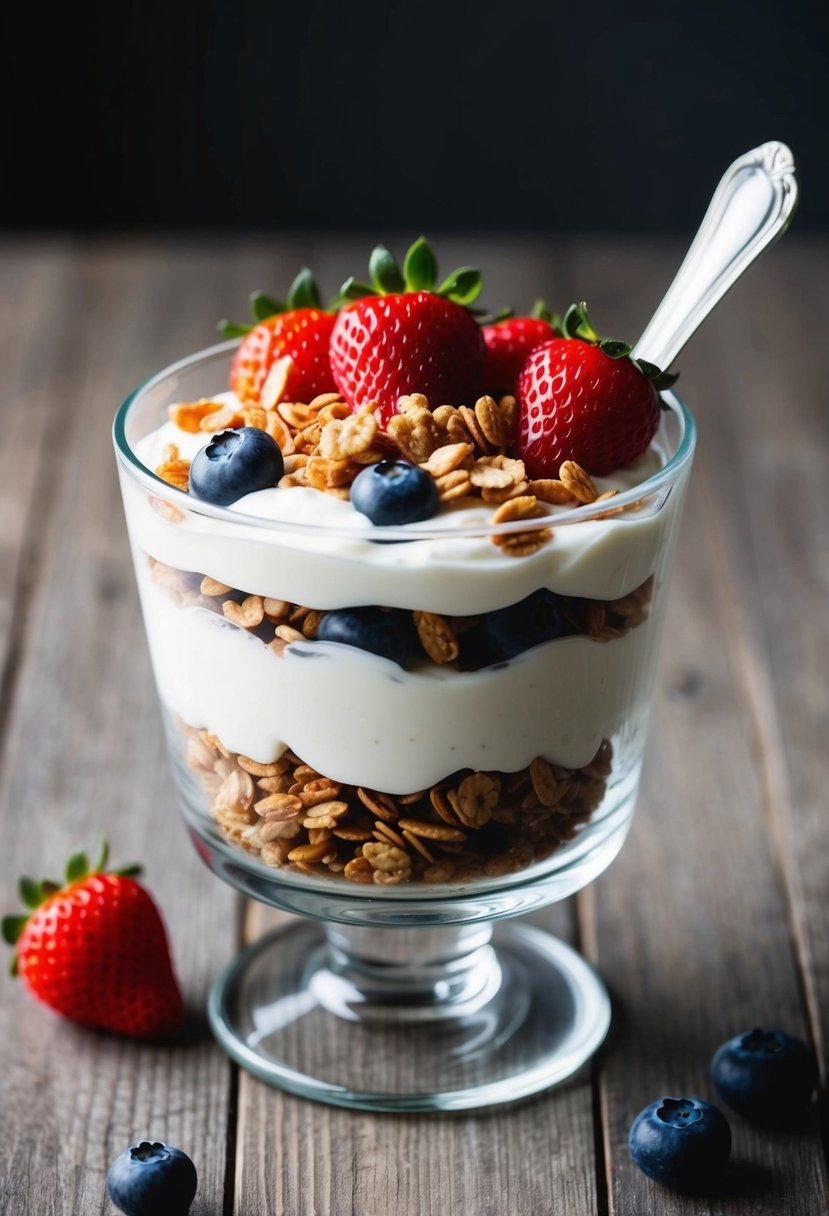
{"points": [[466, 450], [278, 623], [470, 826]]}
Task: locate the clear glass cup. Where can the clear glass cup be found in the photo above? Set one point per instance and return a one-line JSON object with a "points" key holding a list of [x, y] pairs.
{"points": [[449, 801]]}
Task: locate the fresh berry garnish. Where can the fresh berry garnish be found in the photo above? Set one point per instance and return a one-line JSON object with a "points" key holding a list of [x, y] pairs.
{"points": [[384, 633], [152, 1179], [518, 627], [767, 1076], [394, 492], [405, 334], [287, 342], [96, 951], [509, 343], [583, 399], [684, 1143], [235, 463]]}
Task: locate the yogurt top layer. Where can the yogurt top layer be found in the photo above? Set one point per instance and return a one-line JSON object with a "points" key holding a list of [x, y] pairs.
{"points": [[332, 561]]}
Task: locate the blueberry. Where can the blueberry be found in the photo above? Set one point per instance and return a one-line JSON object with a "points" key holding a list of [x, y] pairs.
{"points": [[235, 463], [518, 627], [152, 1179], [388, 634], [681, 1142], [394, 492], [767, 1076]]}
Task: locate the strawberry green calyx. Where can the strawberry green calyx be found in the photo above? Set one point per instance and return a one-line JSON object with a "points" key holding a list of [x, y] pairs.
{"points": [[303, 293], [540, 312], [576, 324], [36, 892], [419, 273]]}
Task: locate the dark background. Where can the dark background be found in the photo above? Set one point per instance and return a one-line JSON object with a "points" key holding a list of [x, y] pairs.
{"points": [[453, 115]]}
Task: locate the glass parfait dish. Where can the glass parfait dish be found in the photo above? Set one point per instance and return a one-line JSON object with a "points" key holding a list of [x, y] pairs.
{"points": [[406, 810]]}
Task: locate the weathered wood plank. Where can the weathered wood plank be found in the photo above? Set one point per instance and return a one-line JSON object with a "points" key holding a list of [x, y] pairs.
{"points": [[83, 755], [781, 540], [36, 282]]}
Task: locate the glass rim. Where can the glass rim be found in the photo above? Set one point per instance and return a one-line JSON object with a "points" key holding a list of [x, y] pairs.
{"points": [[582, 513]]}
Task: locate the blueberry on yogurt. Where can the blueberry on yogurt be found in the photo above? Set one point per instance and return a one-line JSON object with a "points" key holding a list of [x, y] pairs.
{"points": [[683, 1143], [384, 633], [152, 1179], [235, 463], [394, 492], [767, 1076]]}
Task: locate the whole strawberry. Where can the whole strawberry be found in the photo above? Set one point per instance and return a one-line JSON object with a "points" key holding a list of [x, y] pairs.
{"points": [[284, 355], [510, 342], [583, 399], [96, 951], [404, 334]]}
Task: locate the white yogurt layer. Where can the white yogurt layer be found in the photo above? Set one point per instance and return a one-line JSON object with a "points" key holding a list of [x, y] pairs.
{"points": [[459, 574], [361, 719]]}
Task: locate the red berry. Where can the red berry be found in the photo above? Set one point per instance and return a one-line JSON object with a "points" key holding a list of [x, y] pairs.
{"points": [[576, 403], [508, 343], [302, 334], [97, 953], [385, 346]]}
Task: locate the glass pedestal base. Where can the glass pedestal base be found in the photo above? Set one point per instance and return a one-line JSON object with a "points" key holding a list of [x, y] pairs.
{"points": [[411, 1019]]}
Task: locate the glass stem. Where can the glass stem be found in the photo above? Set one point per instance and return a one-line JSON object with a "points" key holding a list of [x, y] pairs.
{"points": [[407, 975]]}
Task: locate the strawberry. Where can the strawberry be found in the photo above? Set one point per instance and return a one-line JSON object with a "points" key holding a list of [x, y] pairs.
{"points": [[404, 335], [96, 950], [581, 398], [509, 343], [289, 340]]}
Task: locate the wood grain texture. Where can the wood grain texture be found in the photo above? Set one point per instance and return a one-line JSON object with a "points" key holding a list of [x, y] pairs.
{"points": [[713, 918]]}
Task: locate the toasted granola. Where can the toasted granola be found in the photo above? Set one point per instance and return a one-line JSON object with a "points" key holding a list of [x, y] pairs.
{"points": [[472, 825], [465, 449]]}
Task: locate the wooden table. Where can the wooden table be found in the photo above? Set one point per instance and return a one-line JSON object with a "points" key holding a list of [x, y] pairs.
{"points": [[714, 918]]}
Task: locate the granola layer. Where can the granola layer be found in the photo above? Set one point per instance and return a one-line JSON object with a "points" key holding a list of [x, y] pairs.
{"points": [[278, 623], [470, 826]]}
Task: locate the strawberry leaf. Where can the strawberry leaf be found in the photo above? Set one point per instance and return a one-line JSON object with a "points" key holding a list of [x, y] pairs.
{"points": [[540, 311], [613, 348], [503, 314], [664, 380], [420, 269], [384, 272], [229, 329], [303, 292], [77, 867], [12, 927], [103, 856], [573, 321], [353, 289], [131, 871], [462, 286], [263, 306], [31, 892]]}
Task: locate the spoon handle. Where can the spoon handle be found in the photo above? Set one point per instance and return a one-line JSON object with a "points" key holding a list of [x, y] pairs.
{"points": [[751, 207]]}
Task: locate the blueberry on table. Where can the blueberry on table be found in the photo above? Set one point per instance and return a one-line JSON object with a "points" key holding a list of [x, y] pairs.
{"points": [[767, 1076], [394, 492], [152, 1179], [518, 627], [385, 633], [681, 1142], [235, 463]]}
